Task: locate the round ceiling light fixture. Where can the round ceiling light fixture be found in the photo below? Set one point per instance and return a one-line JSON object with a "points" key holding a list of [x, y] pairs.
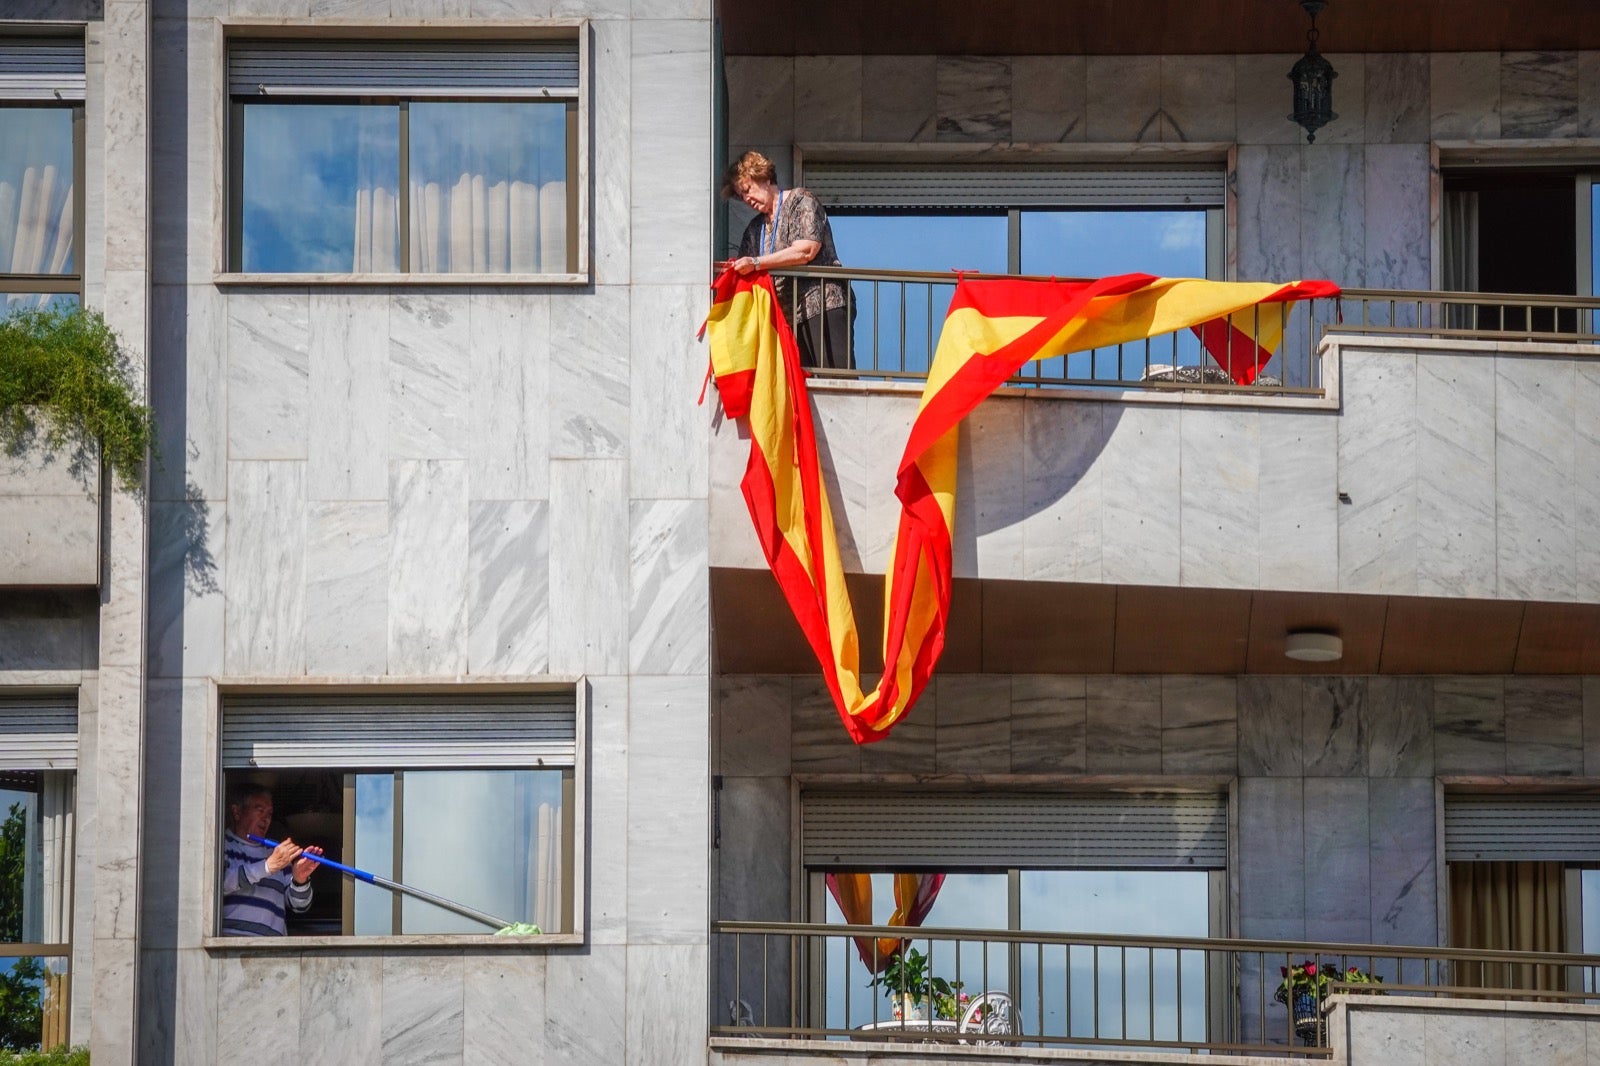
{"points": [[1313, 646]]}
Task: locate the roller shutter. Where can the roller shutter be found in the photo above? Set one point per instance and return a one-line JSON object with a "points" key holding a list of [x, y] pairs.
{"points": [[39, 732], [921, 186], [403, 68], [41, 68], [1522, 828]]}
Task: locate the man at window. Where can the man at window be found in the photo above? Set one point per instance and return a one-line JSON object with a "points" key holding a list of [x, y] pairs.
{"points": [[259, 882]]}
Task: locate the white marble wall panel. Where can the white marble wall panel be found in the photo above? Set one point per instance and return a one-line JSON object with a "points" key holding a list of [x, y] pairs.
{"points": [[263, 995], [608, 810], [1464, 94], [1048, 94], [503, 1009], [752, 716], [1197, 98], [1139, 478], [669, 600], [972, 716], [1336, 869], [50, 540], [1544, 726], [590, 1025], [1122, 98], [1403, 891], [196, 1008], [915, 745], [1270, 726], [1049, 724], [991, 515], [761, 97], [1065, 482], [341, 1007], [421, 1016], [661, 1027], [1271, 826], [1349, 102], [1556, 1040], [1396, 1037], [1398, 211], [671, 216], [1539, 94], [1456, 552], [1199, 725], [1269, 178], [1589, 94], [1453, 1040], [859, 439], [1396, 98], [428, 371], [1377, 468], [268, 374], [589, 567], [1586, 477], [188, 392], [1220, 495], [32, 641], [427, 572], [187, 610], [899, 96], [508, 400], [1332, 231], [974, 98], [1535, 447], [264, 568], [589, 375], [1334, 728], [1469, 721], [818, 738], [754, 849], [1124, 731], [508, 577], [668, 770], [733, 539], [1299, 503], [827, 98], [1591, 726], [667, 367], [612, 172], [347, 588], [1262, 99], [1399, 726], [349, 395]]}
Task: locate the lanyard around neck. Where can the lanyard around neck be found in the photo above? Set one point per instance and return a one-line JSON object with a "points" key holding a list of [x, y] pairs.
{"points": [[772, 227]]}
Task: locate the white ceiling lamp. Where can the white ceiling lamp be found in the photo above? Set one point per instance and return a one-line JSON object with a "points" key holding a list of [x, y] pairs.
{"points": [[1311, 646]]}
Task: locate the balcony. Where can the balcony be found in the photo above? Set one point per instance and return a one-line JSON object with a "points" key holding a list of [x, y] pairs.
{"points": [[789, 992], [50, 536]]}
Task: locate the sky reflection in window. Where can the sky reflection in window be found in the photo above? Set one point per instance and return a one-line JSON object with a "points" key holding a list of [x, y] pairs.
{"points": [[37, 228]]}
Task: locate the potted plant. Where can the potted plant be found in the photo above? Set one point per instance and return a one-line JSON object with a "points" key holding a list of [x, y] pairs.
{"points": [[65, 382], [911, 985], [1306, 984]]}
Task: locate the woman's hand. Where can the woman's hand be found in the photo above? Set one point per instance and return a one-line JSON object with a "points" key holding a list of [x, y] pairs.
{"points": [[746, 264]]}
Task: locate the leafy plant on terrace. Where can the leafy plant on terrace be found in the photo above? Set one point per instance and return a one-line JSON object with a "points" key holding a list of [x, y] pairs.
{"points": [[65, 379]]}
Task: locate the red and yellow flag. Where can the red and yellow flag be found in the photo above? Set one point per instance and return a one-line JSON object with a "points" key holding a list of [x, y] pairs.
{"points": [[990, 331]]}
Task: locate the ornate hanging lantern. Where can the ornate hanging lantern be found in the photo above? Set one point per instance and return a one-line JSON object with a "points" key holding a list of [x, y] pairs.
{"points": [[1313, 80]]}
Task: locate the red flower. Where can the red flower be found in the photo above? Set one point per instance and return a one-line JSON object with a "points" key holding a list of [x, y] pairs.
{"points": [[1284, 970], [1311, 969]]}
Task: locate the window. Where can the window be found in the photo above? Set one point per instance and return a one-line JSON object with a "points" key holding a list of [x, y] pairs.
{"points": [[38, 752], [41, 179], [469, 798], [405, 157], [1032, 864]]}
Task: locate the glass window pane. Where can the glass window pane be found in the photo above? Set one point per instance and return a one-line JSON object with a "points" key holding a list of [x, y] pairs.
{"points": [[320, 188], [37, 229], [1070, 983], [374, 853], [489, 188], [34, 994], [897, 323], [37, 301], [491, 839]]}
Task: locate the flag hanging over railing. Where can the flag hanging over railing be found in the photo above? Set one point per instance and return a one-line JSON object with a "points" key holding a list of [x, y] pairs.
{"points": [[992, 329]]}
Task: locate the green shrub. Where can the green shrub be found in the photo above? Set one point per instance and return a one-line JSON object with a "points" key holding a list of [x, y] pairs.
{"points": [[61, 1056], [68, 367]]}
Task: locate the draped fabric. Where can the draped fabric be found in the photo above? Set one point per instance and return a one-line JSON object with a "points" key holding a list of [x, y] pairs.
{"points": [[992, 329], [37, 225], [1508, 906], [913, 899], [1460, 273]]}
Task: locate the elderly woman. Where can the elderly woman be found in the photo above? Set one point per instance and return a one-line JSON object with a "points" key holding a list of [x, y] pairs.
{"points": [[791, 230]]}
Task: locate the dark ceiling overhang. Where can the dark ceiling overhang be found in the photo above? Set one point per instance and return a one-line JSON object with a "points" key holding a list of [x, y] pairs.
{"points": [[1029, 627], [1150, 27]]}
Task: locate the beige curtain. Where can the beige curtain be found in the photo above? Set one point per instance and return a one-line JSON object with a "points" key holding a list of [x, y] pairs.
{"points": [[1460, 267], [36, 225], [1508, 906], [481, 227]]}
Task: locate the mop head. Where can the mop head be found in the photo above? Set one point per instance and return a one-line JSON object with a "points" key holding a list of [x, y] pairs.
{"points": [[521, 929]]}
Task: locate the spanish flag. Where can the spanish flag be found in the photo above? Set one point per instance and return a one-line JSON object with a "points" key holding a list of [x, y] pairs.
{"points": [[992, 329]]}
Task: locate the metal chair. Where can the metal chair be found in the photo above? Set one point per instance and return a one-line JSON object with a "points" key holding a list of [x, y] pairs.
{"points": [[988, 1013]]}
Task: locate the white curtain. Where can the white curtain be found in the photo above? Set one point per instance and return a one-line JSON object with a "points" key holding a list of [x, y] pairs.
{"points": [[544, 871], [488, 227], [36, 225], [1460, 273]]}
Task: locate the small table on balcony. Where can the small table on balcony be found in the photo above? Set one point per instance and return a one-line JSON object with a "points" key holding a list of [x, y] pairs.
{"points": [[914, 1025]]}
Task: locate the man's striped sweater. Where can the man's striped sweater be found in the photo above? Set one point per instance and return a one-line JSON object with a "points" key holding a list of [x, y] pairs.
{"points": [[253, 899]]}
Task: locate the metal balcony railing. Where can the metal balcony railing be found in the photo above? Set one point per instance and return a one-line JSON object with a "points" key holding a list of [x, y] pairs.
{"points": [[896, 316], [791, 981]]}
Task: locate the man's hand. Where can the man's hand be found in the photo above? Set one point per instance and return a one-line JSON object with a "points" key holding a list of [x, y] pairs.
{"points": [[283, 856], [303, 866]]}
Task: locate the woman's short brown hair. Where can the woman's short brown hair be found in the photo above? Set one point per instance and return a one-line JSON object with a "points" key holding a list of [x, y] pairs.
{"points": [[752, 166]]}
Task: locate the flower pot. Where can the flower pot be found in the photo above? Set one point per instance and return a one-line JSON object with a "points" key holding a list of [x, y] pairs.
{"points": [[1307, 1011], [913, 1010]]}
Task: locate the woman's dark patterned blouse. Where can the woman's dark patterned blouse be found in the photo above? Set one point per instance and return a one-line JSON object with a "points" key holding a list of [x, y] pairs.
{"points": [[800, 219]]}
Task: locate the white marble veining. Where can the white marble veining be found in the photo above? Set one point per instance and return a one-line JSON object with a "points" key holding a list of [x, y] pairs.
{"points": [[761, 98], [187, 609], [1589, 94], [1335, 866], [1048, 96], [508, 399], [607, 906], [1334, 727], [1220, 452], [754, 848], [1464, 93], [612, 173], [428, 371], [1554, 1041], [1270, 175], [859, 472], [664, 379], [590, 1026], [1456, 476], [588, 567], [1377, 469], [341, 1003], [1124, 725], [1535, 446], [347, 588], [1591, 726], [1396, 1037], [1199, 725], [427, 572], [1469, 722], [671, 210], [827, 98], [1261, 87], [819, 743], [1451, 1040], [1349, 101], [973, 98], [349, 402], [990, 512], [264, 996], [1122, 98], [188, 390], [1538, 94], [752, 715], [422, 1008], [1272, 825], [667, 885], [669, 611], [589, 374], [1333, 194], [660, 979], [1197, 98], [1544, 726], [1396, 98], [268, 374], [1140, 512], [508, 577], [899, 97], [1586, 478], [1269, 725], [1299, 501], [264, 568], [1399, 726], [972, 723], [1064, 483], [503, 1009], [1397, 203], [1049, 723], [1403, 892]]}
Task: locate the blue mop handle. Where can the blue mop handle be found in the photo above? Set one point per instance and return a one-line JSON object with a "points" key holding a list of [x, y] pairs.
{"points": [[360, 875]]}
